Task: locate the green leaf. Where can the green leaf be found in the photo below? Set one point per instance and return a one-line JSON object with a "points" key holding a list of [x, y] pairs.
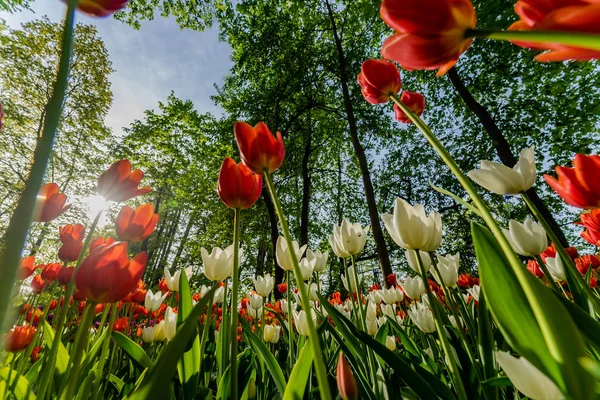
{"points": [[117, 382], [189, 365], [62, 356], [555, 351], [16, 384], [588, 326], [297, 383], [133, 349], [155, 383], [268, 358], [485, 343], [88, 362]]}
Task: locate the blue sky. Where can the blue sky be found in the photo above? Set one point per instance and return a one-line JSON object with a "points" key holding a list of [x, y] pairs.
{"points": [[149, 63]]}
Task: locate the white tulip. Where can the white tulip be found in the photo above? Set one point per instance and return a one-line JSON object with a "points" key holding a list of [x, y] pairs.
{"points": [[400, 321], [173, 281], [390, 343], [313, 290], [556, 268], [527, 239], [399, 294], [282, 253], [448, 268], [256, 301], [159, 332], [474, 291], [154, 300], [170, 326], [411, 257], [271, 333], [320, 259], [371, 310], [500, 179], [284, 305], [348, 239], [421, 316], [301, 321], [374, 296], [263, 285], [306, 267], [372, 326], [413, 287], [388, 310], [218, 265], [148, 334], [454, 321], [412, 229], [349, 283], [389, 296], [527, 378], [219, 295]]}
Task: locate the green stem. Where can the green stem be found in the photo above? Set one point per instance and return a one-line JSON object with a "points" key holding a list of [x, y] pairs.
{"points": [[319, 363], [17, 230], [104, 355], [292, 356], [206, 327], [361, 311], [576, 39], [549, 334], [439, 324], [49, 365], [224, 331], [234, 310], [81, 342], [547, 273]]}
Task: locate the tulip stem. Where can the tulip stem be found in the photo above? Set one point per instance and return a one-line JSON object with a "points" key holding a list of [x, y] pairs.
{"points": [[17, 230], [290, 326], [48, 370], [312, 330], [547, 273], [104, 355], [549, 334], [439, 324], [576, 39], [224, 332], [234, 308], [81, 341]]}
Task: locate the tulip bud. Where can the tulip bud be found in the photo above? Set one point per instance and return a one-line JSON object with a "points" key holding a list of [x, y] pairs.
{"points": [[528, 379], [390, 343], [282, 288], [263, 285], [301, 321], [527, 239], [173, 281], [283, 255], [346, 381], [238, 186], [320, 259], [49, 203], [378, 80], [136, 225], [415, 102], [556, 269], [413, 287], [448, 269], [259, 149], [218, 265], [119, 182], [421, 316], [500, 179], [475, 291], [348, 239]]}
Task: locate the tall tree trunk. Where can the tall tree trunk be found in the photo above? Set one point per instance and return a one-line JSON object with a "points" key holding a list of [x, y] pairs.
{"points": [[382, 251], [40, 239], [306, 180], [183, 240], [502, 147], [260, 258], [274, 236], [156, 208]]}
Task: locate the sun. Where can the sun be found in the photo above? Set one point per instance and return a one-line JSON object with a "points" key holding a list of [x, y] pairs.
{"points": [[94, 205]]}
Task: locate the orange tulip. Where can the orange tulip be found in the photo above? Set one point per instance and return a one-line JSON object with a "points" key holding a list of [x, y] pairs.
{"points": [[107, 275], [27, 267], [136, 225], [584, 263], [259, 149], [415, 103], [378, 79], [578, 186], [49, 204], [430, 34], [100, 8], [65, 275], [551, 252], [121, 324], [119, 183], [591, 221], [558, 15], [38, 284], [238, 186], [534, 268], [100, 242], [346, 382], [19, 338], [71, 237], [35, 354]]}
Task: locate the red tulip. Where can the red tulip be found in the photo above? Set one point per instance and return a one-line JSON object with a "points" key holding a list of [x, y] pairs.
{"points": [[238, 186], [584, 263], [391, 279], [49, 204], [282, 288], [33, 316], [100, 243], [415, 103], [578, 186], [136, 225], [50, 272], [162, 286], [100, 8], [259, 149], [430, 34], [71, 237], [119, 183], [107, 275], [38, 284], [65, 275], [35, 354], [26, 267], [378, 80], [551, 252], [346, 382], [534, 268], [19, 338], [558, 15], [591, 221], [121, 324]]}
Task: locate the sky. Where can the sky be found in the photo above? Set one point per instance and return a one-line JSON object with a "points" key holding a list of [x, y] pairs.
{"points": [[149, 63]]}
